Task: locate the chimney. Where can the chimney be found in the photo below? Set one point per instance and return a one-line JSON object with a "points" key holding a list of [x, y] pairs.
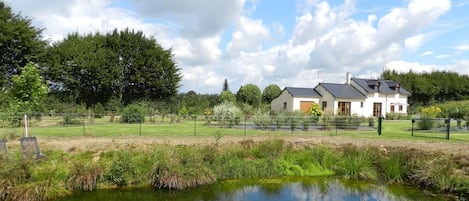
{"points": [[398, 87], [349, 77]]}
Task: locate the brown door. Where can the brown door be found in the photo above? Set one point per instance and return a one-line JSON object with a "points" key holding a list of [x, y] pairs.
{"points": [[344, 108], [376, 109], [305, 105]]}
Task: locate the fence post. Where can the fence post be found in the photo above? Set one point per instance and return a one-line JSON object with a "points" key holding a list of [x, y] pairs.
{"points": [[412, 131], [140, 128], [195, 124], [380, 124], [84, 129], [448, 127], [245, 117]]}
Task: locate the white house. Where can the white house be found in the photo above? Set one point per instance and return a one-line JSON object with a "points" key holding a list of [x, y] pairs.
{"points": [[361, 97], [295, 99]]}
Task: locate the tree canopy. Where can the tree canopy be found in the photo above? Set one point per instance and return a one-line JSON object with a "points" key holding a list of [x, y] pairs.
{"points": [[124, 65], [225, 85], [436, 86], [20, 43], [270, 93], [250, 94], [28, 90]]}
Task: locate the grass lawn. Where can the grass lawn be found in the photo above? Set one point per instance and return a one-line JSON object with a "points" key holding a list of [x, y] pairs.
{"points": [[396, 129]]}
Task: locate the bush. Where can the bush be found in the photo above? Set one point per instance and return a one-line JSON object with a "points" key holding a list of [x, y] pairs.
{"points": [[83, 177], [425, 123], [121, 171], [225, 111], [346, 122], [133, 113], [71, 119], [98, 110]]}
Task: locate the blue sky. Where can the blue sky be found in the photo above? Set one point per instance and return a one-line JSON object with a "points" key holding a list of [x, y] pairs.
{"points": [[288, 43]]}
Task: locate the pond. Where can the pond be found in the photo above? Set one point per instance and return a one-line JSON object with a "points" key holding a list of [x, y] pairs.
{"points": [[270, 189]]}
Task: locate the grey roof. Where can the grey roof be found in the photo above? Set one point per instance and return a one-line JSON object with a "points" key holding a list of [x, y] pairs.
{"points": [[385, 86], [342, 91], [303, 92]]}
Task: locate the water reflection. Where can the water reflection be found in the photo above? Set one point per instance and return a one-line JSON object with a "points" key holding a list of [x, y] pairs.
{"points": [[321, 189]]}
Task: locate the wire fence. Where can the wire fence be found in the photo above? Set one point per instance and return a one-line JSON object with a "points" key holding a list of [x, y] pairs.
{"points": [[73, 124], [443, 126]]}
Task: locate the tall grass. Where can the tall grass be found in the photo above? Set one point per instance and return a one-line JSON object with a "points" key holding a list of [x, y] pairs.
{"points": [[184, 166], [397, 166], [356, 163], [83, 176]]}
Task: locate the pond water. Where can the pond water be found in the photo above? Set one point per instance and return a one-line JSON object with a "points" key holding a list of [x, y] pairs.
{"points": [[272, 189]]}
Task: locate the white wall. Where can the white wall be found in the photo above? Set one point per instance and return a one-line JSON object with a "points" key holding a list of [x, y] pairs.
{"points": [[386, 101]]}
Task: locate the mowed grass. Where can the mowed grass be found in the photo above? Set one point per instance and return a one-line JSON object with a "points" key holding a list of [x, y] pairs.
{"points": [[396, 129]]}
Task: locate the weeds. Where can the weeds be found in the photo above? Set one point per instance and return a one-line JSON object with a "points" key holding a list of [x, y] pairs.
{"points": [[356, 163], [83, 176], [183, 166]]}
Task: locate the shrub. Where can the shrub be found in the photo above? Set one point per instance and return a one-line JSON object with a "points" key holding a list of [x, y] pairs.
{"points": [[121, 171], [225, 111], [348, 122], [425, 123], [98, 110], [71, 119], [83, 176], [133, 113], [262, 120]]}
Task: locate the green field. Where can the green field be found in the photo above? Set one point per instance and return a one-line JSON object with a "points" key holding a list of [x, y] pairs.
{"points": [[102, 127]]}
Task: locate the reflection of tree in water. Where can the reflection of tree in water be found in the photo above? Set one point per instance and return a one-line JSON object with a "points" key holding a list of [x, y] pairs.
{"points": [[320, 189]]}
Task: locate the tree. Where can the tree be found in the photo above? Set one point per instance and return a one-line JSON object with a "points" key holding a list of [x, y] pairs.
{"points": [[225, 86], [270, 93], [249, 94], [19, 43], [124, 65], [227, 96], [28, 90]]}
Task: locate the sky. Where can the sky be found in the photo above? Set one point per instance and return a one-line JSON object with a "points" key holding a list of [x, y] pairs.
{"points": [[294, 43]]}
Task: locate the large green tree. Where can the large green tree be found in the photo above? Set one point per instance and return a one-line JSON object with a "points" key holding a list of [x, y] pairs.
{"points": [[270, 93], [249, 94], [28, 90], [429, 87], [20, 43], [124, 65]]}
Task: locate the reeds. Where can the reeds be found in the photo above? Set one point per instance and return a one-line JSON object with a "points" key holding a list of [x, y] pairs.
{"points": [[185, 166], [83, 176]]}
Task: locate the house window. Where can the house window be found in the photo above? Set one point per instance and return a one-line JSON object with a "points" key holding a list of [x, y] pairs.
{"points": [[285, 105], [401, 108], [344, 108], [361, 104], [324, 105], [392, 108], [376, 109]]}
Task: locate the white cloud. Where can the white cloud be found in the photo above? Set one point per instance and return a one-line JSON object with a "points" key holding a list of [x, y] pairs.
{"points": [[427, 53], [462, 47], [248, 37], [443, 56], [403, 66], [325, 38], [413, 43], [197, 18]]}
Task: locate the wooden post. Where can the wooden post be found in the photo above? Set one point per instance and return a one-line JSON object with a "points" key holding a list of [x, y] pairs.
{"points": [[26, 125]]}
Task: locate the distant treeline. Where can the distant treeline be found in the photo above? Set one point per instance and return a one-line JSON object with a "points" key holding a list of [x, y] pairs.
{"points": [[434, 87]]}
